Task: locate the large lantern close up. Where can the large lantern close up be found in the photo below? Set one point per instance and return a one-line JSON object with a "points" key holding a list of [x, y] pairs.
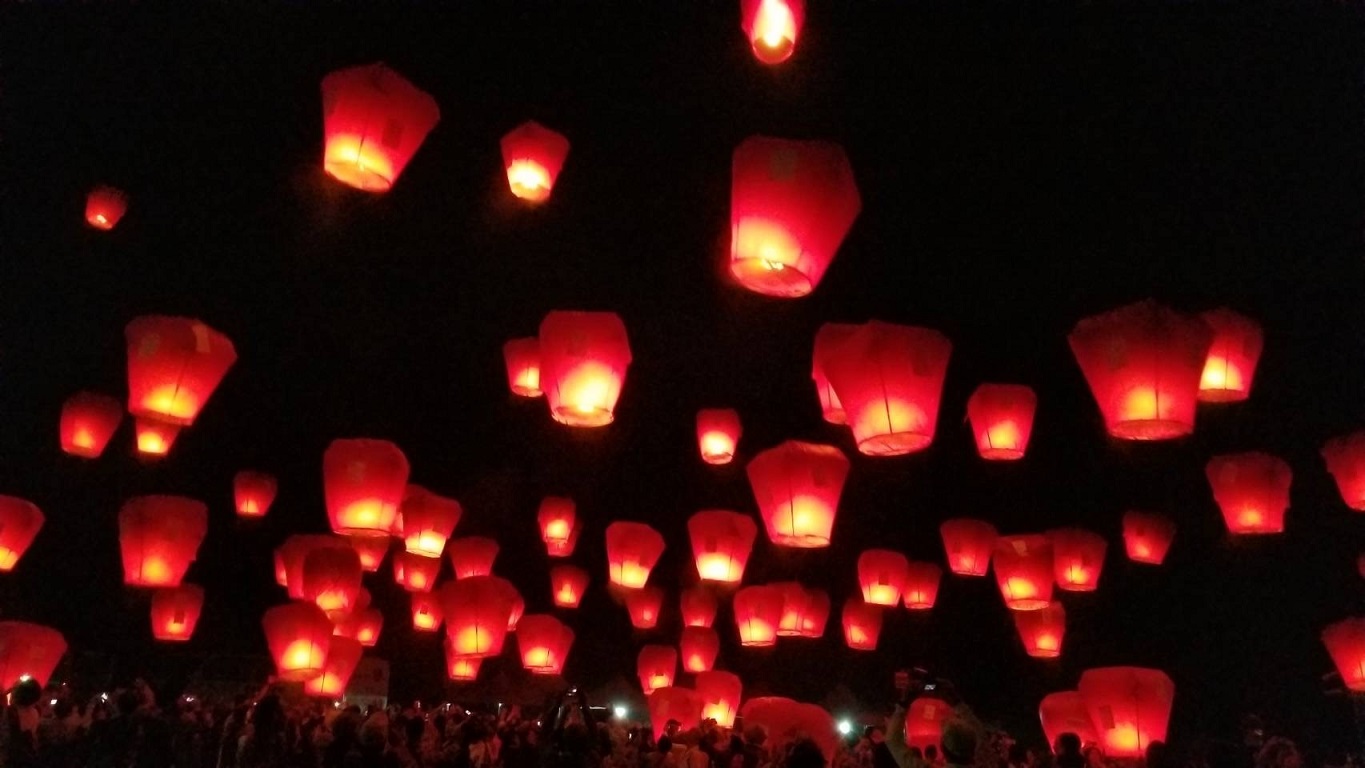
{"points": [[698, 607], [1147, 536], [758, 612], [364, 482], [105, 206], [791, 205], [1064, 712], [558, 521], [153, 437], [373, 122], [567, 585], [159, 536], [522, 358], [28, 650], [720, 693], [1252, 490], [1345, 457], [331, 579], [1023, 569], [343, 656], [827, 341], [718, 431], [428, 520], [88, 421], [299, 636], [20, 521], [921, 585], [583, 361], [1345, 641], [473, 556], [544, 643], [1231, 363], [924, 721], [772, 27], [797, 487], [862, 624], [1042, 631], [721, 543], [1077, 558], [699, 647], [175, 612], [881, 574], [174, 365], [533, 156], [656, 666], [1001, 416], [253, 493], [478, 612], [632, 551], [372, 550], [643, 605], [1130, 707], [680, 705], [968, 543]]}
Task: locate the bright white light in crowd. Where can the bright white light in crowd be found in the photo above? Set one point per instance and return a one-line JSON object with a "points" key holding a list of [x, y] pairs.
{"points": [[845, 727], [52, 703], [25, 678], [620, 711]]}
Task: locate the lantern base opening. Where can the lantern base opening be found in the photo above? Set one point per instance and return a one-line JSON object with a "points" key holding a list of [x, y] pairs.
{"points": [[771, 51], [349, 160], [800, 541], [575, 417], [894, 444], [1223, 395], [1150, 429], [770, 278], [1026, 604], [1000, 454]]}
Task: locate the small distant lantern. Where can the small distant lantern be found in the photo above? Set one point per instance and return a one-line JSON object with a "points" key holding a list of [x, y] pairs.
{"points": [[924, 721], [1042, 630], [1147, 536], [583, 361], [88, 421], [720, 694], [758, 612], [816, 616], [461, 669], [1231, 363], [1077, 558], [632, 551], [827, 341], [105, 206], [426, 611], [533, 156], [372, 550], [343, 656], [373, 122], [293, 553], [718, 431], [643, 605], [1129, 706], [28, 650], [772, 27], [154, 438], [414, 572], [1023, 569], [331, 578], [721, 544], [1001, 416], [473, 556], [174, 366], [921, 585], [1252, 490], [253, 493], [477, 613], [1345, 457], [862, 624], [968, 544], [698, 607], [363, 625], [175, 612], [544, 643], [797, 487], [299, 636], [20, 521], [522, 357], [568, 583], [656, 666], [159, 537], [881, 572], [699, 646], [1064, 712], [364, 482], [428, 520], [1345, 641], [669, 705], [558, 523]]}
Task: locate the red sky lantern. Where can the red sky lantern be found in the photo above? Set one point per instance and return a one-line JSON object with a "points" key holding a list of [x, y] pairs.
{"points": [[758, 611], [428, 520], [20, 521], [426, 611], [772, 27], [364, 482], [1002, 420], [1042, 631], [299, 636], [159, 537], [1077, 558], [373, 122], [862, 624], [827, 341], [511, 595], [699, 646], [680, 705], [1231, 363], [921, 585], [791, 205], [533, 156], [644, 605], [522, 357], [253, 493], [968, 544], [281, 572], [1345, 641], [544, 643], [473, 556], [461, 669], [797, 487], [720, 693], [372, 550], [698, 607], [924, 721], [632, 551], [105, 206], [881, 572], [1147, 536], [28, 650], [1143, 363], [295, 550], [331, 579], [174, 365], [364, 626], [656, 666], [1064, 712], [414, 572], [816, 616], [343, 656], [1130, 707], [1252, 490], [477, 613], [88, 420], [1345, 457], [568, 583], [718, 431], [154, 438], [583, 361], [890, 380], [1023, 569], [175, 612], [721, 543], [796, 603], [557, 518]]}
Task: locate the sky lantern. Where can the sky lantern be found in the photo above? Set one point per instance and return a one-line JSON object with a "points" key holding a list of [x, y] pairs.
{"points": [[718, 431], [415, 573], [657, 666], [862, 624], [1345, 641], [1064, 712], [680, 705], [253, 493], [153, 438], [1023, 569], [299, 636], [1129, 707], [1001, 416], [968, 543], [796, 603], [557, 518], [1345, 457], [1252, 490], [331, 578], [428, 520], [477, 613], [924, 721], [363, 625], [281, 572], [1042, 630], [1147, 536], [522, 357], [797, 487], [159, 537], [105, 206], [28, 650], [772, 27], [1143, 363], [568, 583], [174, 365], [515, 598], [20, 521], [473, 556], [815, 618], [698, 607], [758, 611], [364, 482], [461, 669], [175, 612], [828, 340], [890, 379], [372, 550], [632, 551], [88, 421], [699, 647], [583, 361], [544, 643], [1231, 363], [426, 611], [881, 572], [343, 655], [721, 544], [791, 205], [720, 693], [533, 156], [373, 122], [921, 585], [295, 550], [1077, 558], [644, 605]]}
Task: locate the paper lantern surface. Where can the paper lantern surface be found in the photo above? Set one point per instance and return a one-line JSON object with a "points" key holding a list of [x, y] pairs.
{"points": [[797, 486], [921, 585], [159, 536], [294, 551], [1130, 707], [175, 612], [522, 358], [632, 551], [1001, 416], [364, 626], [558, 520], [1345, 641], [154, 437], [426, 611], [1064, 712], [1024, 571], [1252, 490], [253, 493], [299, 636], [1077, 558], [428, 521], [473, 556], [1345, 457], [331, 578], [924, 721], [968, 544], [1042, 631], [1233, 356], [374, 121], [174, 366], [656, 666], [88, 421], [699, 647], [567, 585], [828, 339], [364, 482], [415, 573], [862, 624], [478, 614], [881, 574], [584, 357], [544, 643], [718, 431], [758, 612], [1147, 536], [680, 705], [20, 522], [698, 607], [643, 605], [533, 156], [720, 694], [721, 544], [343, 656]]}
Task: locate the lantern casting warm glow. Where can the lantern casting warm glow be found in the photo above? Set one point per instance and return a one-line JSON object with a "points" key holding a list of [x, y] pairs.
{"points": [[174, 365], [797, 487], [533, 156], [543, 642], [1252, 490], [632, 551], [1147, 536], [921, 585], [1042, 630], [758, 611], [720, 694], [522, 357], [428, 520], [478, 612], [656, 666], [1130, 707], [1345, 457], [1231, 363], [1345, 641], [881, 572], [253, 493], [924, 721], [583, 362], [343, 656], [331, 579], [473, 556], [363, 625], [721, 543], [364, 482], [295, 551], [772, 27], [175, 612], [426, 611], [461, 669], [644, 605], [699, 646], [1064, 712], [796, 603], [415, 573], [28, 650], [862, 624], [680, 705], [827, 341], [88, 421], [1077, 558], [567, 585], [299, 636], [105, 206], [374, 121], [698, 607], [154, 438], [159, 537], [968, 543], [1001, 416], [557, 518], [718, 432], [20, 521], [1023, 569]]}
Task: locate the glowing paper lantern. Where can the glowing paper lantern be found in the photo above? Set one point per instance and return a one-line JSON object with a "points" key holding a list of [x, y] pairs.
{"points": [[816, 616], [786, 720], [1252, 490], [718, 432], [721, 543], [1345, 641], [473, 556], [522, 357], [583, 361], [656, 666], [758, 611], [533, 156], [632, 551], [88, 420], [363, 626], [253, 493], [514, 597], [428, 520], [105, 206], [174, 365], [477, 613], [827, 341], [680, 705], [20, 521], [881, 572], [791, 204], [699, 647], [1147, 536], [295, 551], [28, 650], [159, 537], [921, 585], [544, 643], [175, 612], [890, 380], [372, 550], [331, 579], [299, 636], [373, 122], [1042, 630], [154, 438], [1231, 363], [342, 658], [1143, 363], [1064, 712], [1345, 457], [567, 585], [461, 669], [797, 487], [557, 519], [364, 483], [795, 605], [1002, 420], [1129, 707], [862, 624], [968, 544], [644, 605], [414, 572], [772, 27], [924, 721], [1077, 558], [720, 694], [698, 607], [426, 611], [1023, 569]]}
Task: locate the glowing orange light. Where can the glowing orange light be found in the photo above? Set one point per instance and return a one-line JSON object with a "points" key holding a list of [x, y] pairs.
{"points": [[656, 667], [479, 612], [583, 362], [968, 544], [718, 431], [343, 655], [1042, 630], [699, 646], [88, 421], [533, 156], [557, 517], [772, 27], [472, 556], [1077, 558], [758, 611], [1130, 707], [1064, 712], [544, 643], [797, 486], [827, 341], [567, 584], [28, 651], [461, 669], [373, 122], [104, 207], [1001, 416], [1345, 457], [522, 357], [426, 612], [921, 585], [720, 693], [881, 572], [698, 607], [253, 493], [1232, 359], [632, 551], [299, 636], [1147, 537], [1345, 641], [154, 438], [363, 625], [414, 572], [159, 536], [643, 606], [364, 482], [862, 625], [1024, 571], [175, 612], [924, 721], [428, 521], [174, 366], [1252, 490], [721, 544]]}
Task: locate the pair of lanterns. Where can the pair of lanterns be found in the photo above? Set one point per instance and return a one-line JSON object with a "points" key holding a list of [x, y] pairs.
{"points": [[786, 609], [305, 649], [887, 577], [1122, 709], [578, 362], [174, 366]]}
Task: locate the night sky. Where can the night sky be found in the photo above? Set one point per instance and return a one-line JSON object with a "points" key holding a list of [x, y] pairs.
{"points": [[1021, 166]]}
